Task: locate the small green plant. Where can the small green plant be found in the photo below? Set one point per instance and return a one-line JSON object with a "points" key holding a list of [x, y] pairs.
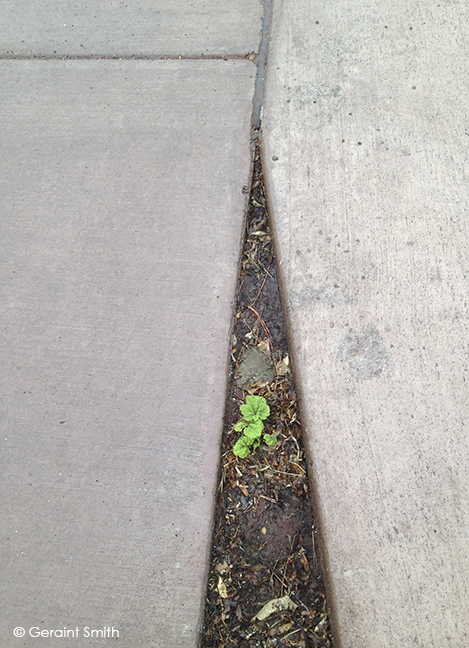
{"points": [[254, 411]]}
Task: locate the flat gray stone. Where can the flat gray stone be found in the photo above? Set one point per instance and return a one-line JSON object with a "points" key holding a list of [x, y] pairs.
{"points": [[121, 221], [113, 28], [365, 148], [255, 367]]}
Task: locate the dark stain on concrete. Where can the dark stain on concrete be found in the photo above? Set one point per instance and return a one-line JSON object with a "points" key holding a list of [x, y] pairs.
{"points": [[365, 353], [331, 295]]}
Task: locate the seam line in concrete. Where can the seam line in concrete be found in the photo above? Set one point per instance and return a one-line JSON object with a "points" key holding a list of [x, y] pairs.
{"points": [[259, 88], [126, 57]]}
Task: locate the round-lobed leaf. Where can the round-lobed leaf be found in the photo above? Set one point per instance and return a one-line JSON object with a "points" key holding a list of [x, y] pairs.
{"points": [[254, 429], [241, 448], [255, 409]]}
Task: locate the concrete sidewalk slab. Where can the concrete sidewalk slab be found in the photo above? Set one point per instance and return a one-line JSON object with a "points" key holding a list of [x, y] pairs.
{"points": [[144, 28], [365, 144], [121, 223]]}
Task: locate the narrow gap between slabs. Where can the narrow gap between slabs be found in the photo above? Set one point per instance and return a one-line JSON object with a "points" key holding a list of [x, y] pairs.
{"points": [[265, 545]]}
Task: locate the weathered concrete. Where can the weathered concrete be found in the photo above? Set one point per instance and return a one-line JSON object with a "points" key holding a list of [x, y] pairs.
{"points": [[143, 28], [366, 138], [121, 221]]}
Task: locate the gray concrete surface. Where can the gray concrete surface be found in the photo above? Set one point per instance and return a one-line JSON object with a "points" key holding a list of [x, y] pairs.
{"points": [[144, 28], [366, 137], [121, 223]]}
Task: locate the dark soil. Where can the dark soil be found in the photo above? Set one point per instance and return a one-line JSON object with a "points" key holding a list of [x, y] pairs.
{"points": [[264, 542]]}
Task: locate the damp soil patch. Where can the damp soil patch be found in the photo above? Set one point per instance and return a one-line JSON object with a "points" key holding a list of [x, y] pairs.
{"points": [[266, 584]]}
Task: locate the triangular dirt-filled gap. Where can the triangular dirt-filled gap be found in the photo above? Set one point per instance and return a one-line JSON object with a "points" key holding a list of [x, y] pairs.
{"points": [[265, 544]]}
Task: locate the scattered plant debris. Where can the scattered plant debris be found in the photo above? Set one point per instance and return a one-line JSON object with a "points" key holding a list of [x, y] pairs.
{"points": [[265, 586]]}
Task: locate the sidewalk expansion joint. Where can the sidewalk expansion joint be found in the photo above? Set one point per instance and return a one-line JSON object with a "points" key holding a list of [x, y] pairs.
{"points": [[261, 61], [266, 575], [251, 56]]}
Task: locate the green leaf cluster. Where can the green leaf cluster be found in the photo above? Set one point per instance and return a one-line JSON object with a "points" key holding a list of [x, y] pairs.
{"points": [[254, 411]]}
